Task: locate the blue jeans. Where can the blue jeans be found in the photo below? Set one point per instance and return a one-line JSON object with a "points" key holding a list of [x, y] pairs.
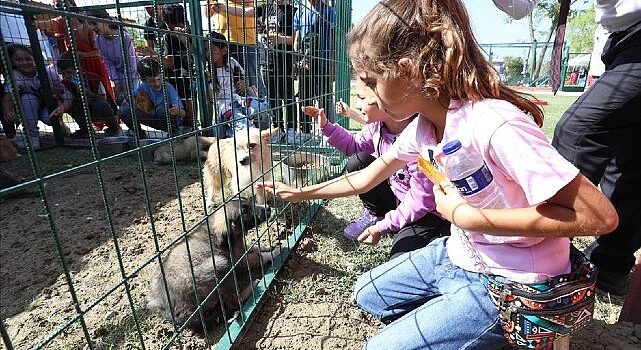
{"points": [[247, 56], [430, 302]]}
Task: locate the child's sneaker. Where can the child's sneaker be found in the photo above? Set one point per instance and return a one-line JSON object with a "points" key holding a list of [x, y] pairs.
{"points": [[355, 228]]}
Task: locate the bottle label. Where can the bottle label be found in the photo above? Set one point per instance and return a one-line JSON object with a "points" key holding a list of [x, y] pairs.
{"points": [[475, 182]]}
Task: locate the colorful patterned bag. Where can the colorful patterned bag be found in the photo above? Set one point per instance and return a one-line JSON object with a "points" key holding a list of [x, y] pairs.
{"points": [[535, 315]]}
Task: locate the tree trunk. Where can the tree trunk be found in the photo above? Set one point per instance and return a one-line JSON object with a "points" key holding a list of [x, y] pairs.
{"points": [[537, 72], [532, 54]]}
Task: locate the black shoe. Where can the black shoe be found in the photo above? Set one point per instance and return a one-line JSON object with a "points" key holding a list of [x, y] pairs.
{"points": [[79, 134], [112, 131]]}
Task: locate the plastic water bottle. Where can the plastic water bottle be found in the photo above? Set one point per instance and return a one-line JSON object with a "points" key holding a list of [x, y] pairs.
{"points": [[467, 171]]}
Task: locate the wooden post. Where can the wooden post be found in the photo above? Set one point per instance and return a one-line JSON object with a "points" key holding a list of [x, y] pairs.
{"points": [[631, 311]]}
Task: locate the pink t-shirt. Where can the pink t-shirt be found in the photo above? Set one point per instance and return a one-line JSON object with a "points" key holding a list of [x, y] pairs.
{"points": [[525, 167]]}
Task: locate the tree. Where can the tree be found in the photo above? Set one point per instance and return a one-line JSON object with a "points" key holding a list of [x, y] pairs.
{"points": [[548, 10], [514, 68], [580, 31]]}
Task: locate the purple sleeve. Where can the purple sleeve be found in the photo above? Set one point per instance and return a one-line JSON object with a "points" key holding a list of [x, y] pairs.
{"points": [[418, 201], [348, 143], [132, 57]]}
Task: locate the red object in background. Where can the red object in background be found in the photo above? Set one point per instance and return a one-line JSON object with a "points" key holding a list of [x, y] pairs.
{"points": [[574, 77], [631, 311]]}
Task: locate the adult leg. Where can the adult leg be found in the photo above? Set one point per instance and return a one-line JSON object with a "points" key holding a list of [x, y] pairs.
{"points": [[275, 102], [252, 70], [597, 134], [419, 234], [307, 92], [431, 303], [291, 112]]}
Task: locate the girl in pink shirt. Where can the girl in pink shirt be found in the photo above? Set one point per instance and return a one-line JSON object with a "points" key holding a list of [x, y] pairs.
{"points": [[421, 57]]}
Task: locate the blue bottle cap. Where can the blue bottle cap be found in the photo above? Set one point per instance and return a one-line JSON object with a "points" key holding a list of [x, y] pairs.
{"points": [[452, 147]]}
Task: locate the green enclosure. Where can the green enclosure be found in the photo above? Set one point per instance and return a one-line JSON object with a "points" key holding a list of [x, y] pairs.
{"points": [[91, 217]]}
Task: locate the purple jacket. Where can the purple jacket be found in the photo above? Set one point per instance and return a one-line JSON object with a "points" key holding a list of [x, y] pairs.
{"points": [[410, 185], [111, 53]]}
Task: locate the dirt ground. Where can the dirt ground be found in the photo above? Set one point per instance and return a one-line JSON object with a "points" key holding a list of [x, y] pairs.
{"points": [[309, 306]]}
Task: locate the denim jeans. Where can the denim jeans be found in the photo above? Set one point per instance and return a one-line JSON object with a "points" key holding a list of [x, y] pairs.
{"points": [[430, 302], [255, 114]]}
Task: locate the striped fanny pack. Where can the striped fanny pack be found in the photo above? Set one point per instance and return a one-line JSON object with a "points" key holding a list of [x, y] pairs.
{"points": [[535, 315]]}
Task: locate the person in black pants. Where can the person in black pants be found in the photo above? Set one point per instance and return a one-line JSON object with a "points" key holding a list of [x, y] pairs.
{"points": [[599, 134], [314, 24], [277, 38]]}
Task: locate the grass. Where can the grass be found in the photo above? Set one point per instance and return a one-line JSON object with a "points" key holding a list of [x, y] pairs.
{"points": [[554, 110]]}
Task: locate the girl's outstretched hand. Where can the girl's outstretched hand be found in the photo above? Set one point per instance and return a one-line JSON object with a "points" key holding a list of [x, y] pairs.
{"points": [[449, 203], [370, 236], [318, 113], [282, 191]]}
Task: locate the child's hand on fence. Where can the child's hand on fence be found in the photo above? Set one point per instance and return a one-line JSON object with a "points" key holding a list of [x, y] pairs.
{"points": [[282, 191], [342, 108], [241, 87], [174, 111], [371, 236], [318, 113]]}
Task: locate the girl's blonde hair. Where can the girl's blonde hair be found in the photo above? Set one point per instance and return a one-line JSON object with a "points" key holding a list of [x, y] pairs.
{"points": [[437, 36]]}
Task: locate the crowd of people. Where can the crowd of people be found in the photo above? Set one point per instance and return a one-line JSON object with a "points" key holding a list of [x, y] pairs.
{"points": [[254, 55]]}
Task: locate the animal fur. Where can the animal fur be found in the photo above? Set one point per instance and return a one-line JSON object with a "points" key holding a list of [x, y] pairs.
{"points": [[7, 180], [241, 161], [143, 101], [8, 151], [226, 231], [187, 149]]}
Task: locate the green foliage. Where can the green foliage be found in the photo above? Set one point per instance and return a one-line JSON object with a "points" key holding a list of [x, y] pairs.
{"points": [[580, 31], [514, 69]]}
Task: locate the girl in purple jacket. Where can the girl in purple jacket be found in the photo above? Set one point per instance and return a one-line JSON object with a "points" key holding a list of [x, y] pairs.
{"points": [[403, 205]]}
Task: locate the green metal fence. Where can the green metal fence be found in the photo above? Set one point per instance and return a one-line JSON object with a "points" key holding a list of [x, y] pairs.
{"points": [[89, 219]]}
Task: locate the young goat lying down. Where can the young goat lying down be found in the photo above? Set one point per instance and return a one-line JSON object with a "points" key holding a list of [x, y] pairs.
{"points": [[210, 263], [241, 161]]}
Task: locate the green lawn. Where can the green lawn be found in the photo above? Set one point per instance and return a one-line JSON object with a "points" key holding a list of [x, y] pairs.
{"points": [[554, 110]]}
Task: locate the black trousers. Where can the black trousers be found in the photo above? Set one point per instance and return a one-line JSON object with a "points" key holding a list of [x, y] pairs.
{"points": [[600, 135], [99, 111], [315, 83], [280, 89], [380, 200]]}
